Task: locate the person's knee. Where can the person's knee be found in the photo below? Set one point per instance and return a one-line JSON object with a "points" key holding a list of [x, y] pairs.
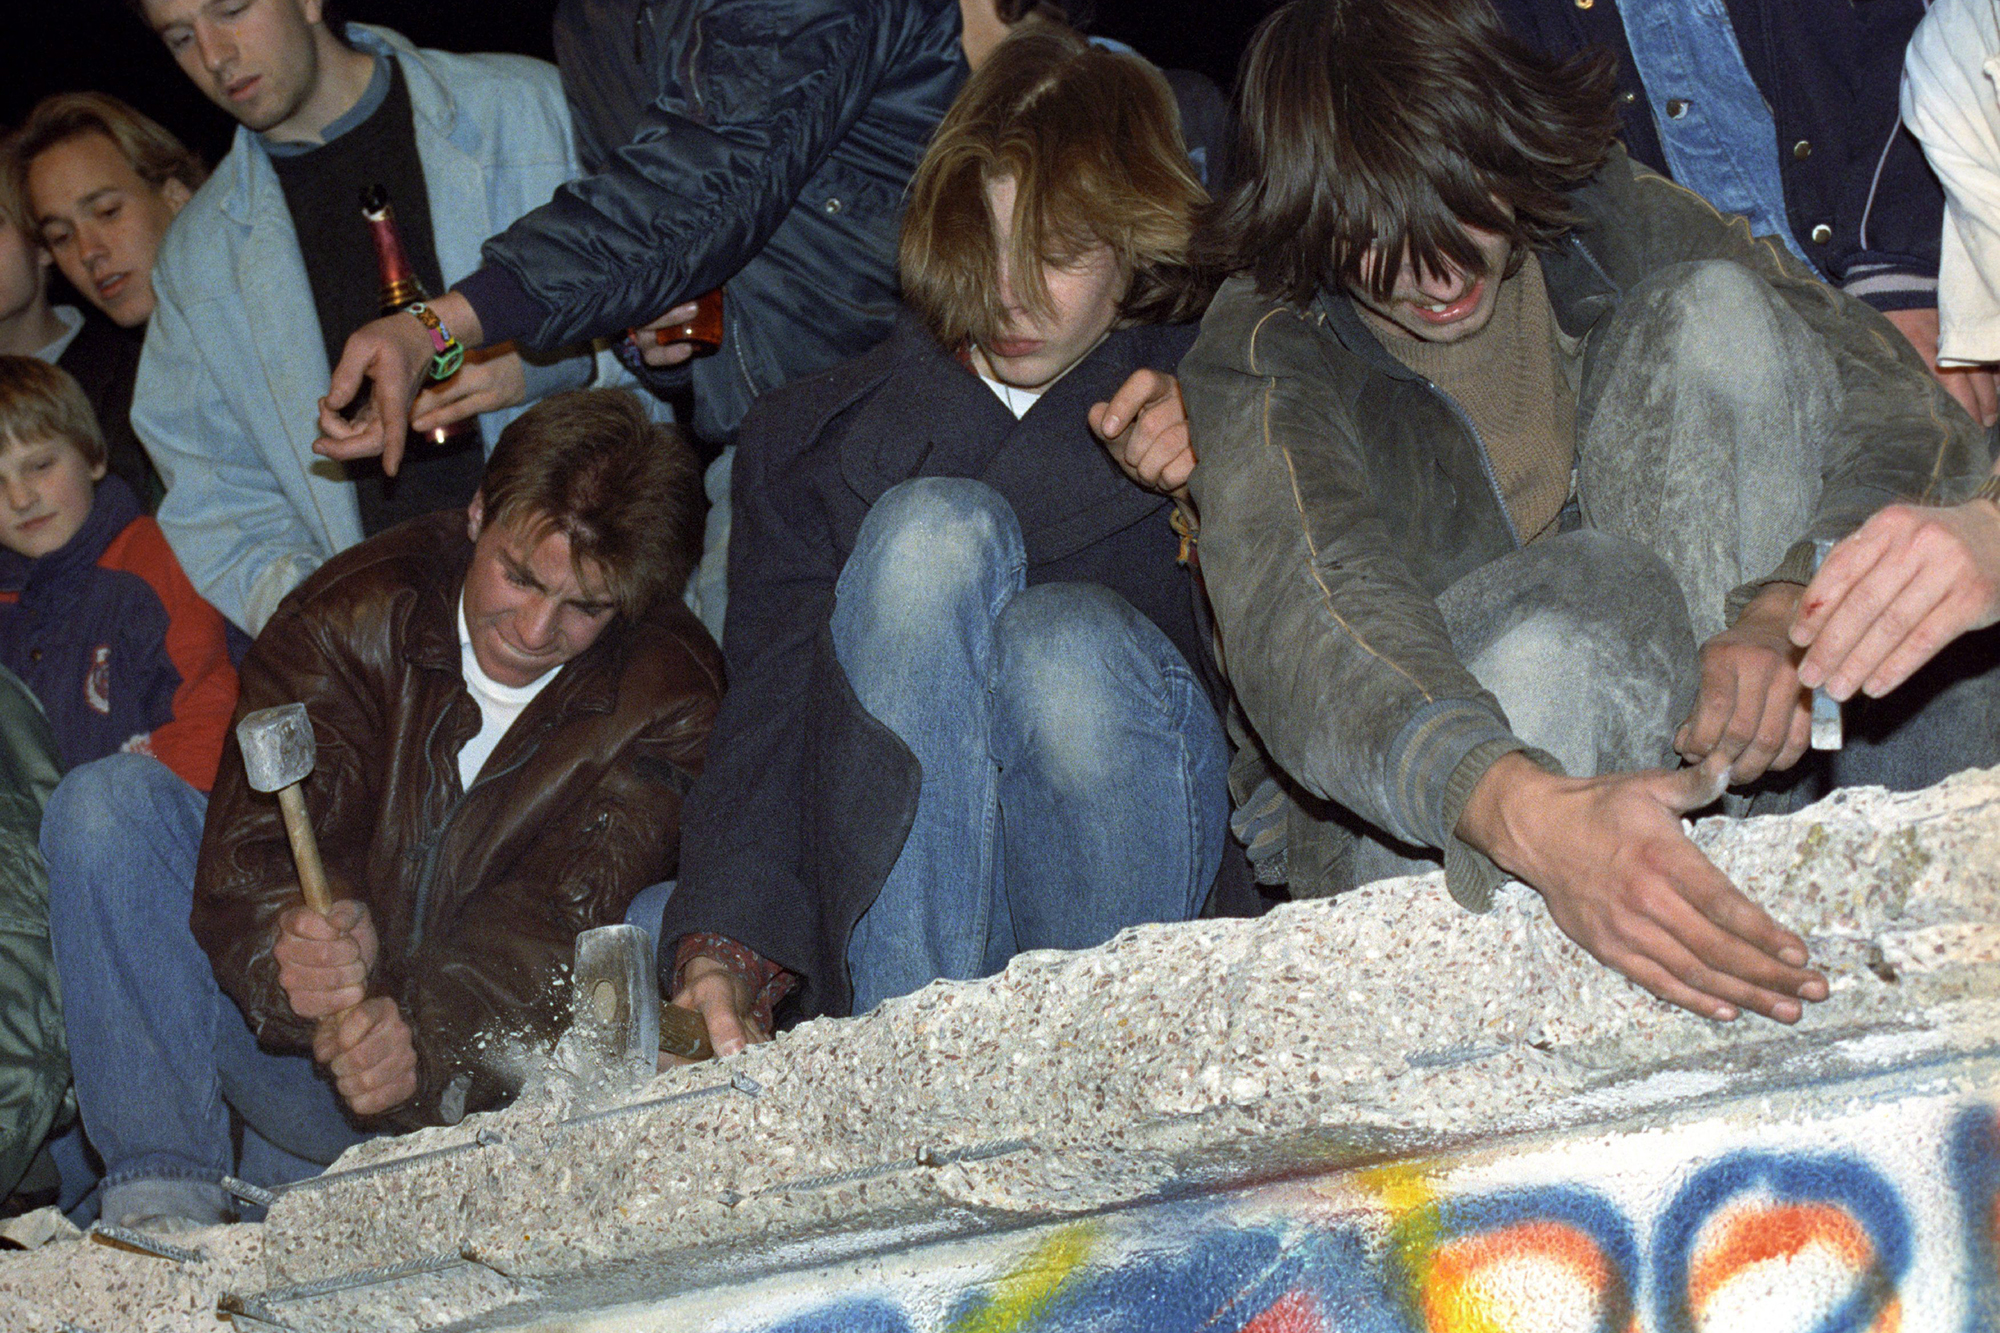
{"points": [[104, 819], [96, 806], [1076, 667], [928, 543], [1600, 664], [1710, 322]]}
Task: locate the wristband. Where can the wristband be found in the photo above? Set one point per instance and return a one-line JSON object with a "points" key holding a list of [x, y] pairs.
{"points": [[447, 354]]}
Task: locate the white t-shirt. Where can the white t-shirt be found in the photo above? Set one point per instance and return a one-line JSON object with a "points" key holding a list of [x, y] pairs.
{"points": [[1018, 401], [498, 704], [1951, 102]]}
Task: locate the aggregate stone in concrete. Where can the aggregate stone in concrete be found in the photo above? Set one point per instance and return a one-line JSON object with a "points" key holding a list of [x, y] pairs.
{"points": [[1177, 1057]]}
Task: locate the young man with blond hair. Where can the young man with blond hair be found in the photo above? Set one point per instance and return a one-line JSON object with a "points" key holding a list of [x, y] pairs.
{"points": [[97, 183], [971, 705]]}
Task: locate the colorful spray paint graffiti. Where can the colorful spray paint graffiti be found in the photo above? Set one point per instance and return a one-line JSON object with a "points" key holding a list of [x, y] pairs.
{"points": [[1880, 1221]]}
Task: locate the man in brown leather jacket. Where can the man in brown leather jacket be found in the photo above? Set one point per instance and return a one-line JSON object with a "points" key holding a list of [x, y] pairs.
{"points": [[506, 719]]}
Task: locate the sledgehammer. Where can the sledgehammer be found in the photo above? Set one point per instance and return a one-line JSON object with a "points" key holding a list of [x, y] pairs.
{"points": [[616, 1007], [277, 745]]}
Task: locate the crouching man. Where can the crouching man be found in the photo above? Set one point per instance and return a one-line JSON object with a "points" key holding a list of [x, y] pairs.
{"points": [[506, 716], [1494, 429]]}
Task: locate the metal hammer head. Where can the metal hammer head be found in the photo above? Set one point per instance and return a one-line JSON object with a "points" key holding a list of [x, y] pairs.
{"points": [[277, 745], [615, 1011]]}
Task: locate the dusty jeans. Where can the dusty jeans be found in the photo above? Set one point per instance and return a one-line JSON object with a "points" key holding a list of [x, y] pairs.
{"points": [[1588, 639]]}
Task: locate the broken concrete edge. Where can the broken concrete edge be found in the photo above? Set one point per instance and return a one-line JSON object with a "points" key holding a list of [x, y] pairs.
{"points": [[719, 1280], [1864, 846], [1852, 1066]]}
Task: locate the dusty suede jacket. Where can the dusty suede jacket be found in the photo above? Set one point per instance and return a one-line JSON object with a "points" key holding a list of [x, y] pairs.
{"points": [[477, 895], [1340, 494]]}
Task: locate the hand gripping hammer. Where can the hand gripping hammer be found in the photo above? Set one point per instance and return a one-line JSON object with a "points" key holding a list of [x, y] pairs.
{"points": [[277, 745]]}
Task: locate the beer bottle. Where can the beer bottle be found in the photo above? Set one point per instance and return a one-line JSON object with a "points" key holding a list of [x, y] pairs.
{"points": [[401, 287]]}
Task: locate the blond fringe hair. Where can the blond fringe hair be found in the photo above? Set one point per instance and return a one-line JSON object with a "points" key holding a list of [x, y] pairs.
{"points": [[1092, 140]]}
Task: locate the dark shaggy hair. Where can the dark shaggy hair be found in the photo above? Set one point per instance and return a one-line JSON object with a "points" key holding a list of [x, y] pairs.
{"points": [[1092, 140], [623, 488], [1395, 124]]}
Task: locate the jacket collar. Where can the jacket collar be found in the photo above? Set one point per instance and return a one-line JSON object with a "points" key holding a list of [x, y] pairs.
{"points": [[931, 415], [431, 105], [112, 509], [586, 683]]}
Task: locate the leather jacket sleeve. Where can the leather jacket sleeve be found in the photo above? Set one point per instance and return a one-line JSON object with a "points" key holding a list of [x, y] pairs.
{"points": [[246, 877], [1338, 655]]}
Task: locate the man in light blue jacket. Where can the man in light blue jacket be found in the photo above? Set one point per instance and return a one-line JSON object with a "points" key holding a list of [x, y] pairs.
{"points": [[271, 263]]}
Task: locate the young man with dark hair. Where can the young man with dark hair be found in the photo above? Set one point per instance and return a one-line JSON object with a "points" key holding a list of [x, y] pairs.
{"points": [[507, 712], [1494, 429], [271, 266]]}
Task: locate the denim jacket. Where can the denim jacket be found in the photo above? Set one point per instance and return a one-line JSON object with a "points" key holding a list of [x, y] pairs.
{"points": [[233, 367]]}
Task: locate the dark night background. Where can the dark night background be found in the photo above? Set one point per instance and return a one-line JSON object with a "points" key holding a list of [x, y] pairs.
{"points": [[54, 45]]}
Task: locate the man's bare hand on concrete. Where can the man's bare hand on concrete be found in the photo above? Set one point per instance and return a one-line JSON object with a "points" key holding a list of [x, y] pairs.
{"points": [[324, 961], [1144, 429], [371, 1055], [723, 1000], [1620, 878], [1908, 582], [1751, 709]]}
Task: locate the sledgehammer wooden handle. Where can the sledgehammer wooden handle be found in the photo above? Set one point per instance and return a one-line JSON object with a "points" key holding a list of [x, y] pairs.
{"points": [[684, 1032], [305, 850]]}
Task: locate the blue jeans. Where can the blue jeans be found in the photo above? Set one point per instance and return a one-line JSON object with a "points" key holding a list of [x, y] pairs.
{"points": [[160, 1056], [1073, 767]]}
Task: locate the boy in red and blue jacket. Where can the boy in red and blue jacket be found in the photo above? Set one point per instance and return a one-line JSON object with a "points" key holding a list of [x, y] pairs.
{"points": [[96, 616]]}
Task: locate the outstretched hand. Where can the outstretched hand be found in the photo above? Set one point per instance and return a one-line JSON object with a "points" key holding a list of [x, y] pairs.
{"points": [[1888, 598], [1144, 428], [1620, 878], [723, 1000]]}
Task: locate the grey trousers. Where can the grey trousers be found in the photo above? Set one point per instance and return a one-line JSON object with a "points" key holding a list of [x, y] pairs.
{"points": [[1703, 403]]}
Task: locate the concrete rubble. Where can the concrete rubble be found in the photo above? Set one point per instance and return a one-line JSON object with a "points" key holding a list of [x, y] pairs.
{"points": [[1172, 1060]]}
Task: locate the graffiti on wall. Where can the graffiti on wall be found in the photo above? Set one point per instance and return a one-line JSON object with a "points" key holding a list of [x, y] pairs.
{"points": [[1881, 1223]]}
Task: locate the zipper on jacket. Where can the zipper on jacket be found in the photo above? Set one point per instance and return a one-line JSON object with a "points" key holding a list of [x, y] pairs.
{"points": [[1485, 460], [427, 877]]}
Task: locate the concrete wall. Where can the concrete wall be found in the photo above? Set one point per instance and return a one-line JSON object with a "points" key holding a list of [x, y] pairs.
{"points": [[1864, 1206]]}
